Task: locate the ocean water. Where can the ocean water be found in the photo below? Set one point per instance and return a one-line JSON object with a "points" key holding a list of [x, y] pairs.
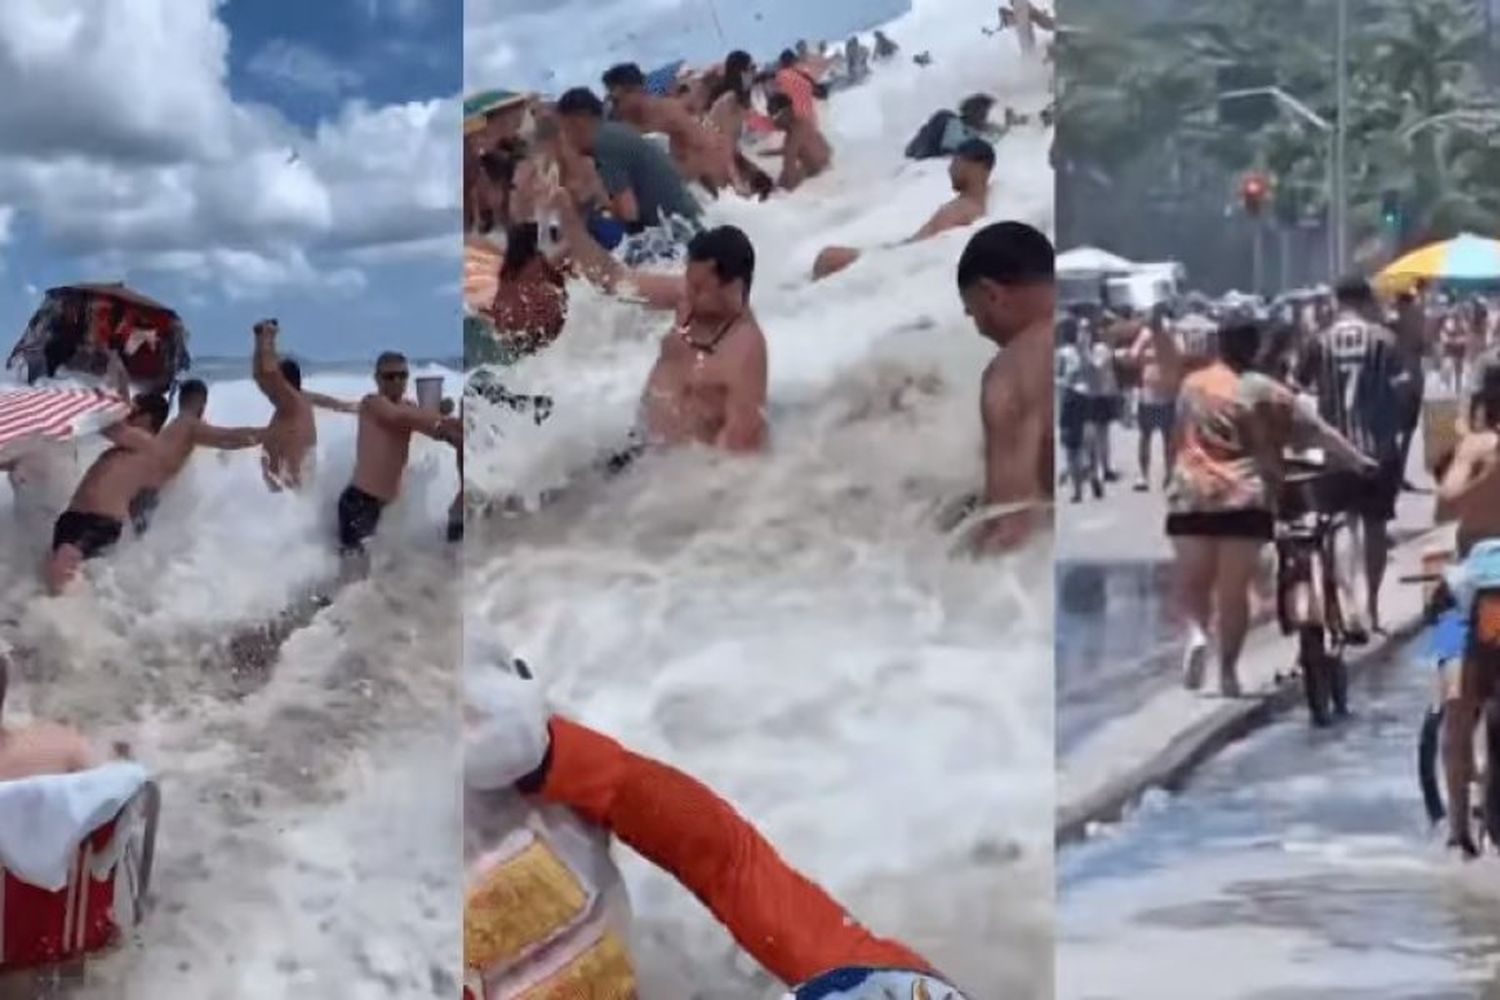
{"points": [[796, 629], [305, 848]]}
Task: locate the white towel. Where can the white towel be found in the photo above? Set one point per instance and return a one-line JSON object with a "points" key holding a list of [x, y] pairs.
{"points": [[44, 819]]}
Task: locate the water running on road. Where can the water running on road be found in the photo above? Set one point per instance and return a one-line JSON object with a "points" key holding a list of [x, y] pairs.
{"points": [[1299, 864], [1114, 642]]}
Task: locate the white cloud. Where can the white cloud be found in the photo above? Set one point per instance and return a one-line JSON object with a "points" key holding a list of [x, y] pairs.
{"points": [[291, 65], [151, 164], [404, 11], [157, 93], [429, 248], [240, 274], [7, 216]]}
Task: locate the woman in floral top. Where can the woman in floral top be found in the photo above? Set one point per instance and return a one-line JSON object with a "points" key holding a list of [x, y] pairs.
{"points": [[1232, 424]]}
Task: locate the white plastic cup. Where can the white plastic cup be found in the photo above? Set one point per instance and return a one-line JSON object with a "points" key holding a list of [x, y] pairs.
{"points": [[430, 392]]}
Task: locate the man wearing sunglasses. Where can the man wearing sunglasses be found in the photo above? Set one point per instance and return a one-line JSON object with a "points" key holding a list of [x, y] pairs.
{"points": [[387, 421]]}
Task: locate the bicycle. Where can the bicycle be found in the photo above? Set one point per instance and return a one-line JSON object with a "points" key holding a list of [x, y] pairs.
{"points": [[1307, 590], [1480, 650]]}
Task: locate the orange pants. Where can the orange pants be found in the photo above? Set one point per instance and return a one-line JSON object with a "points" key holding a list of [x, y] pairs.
{"points": [[792, 927]]}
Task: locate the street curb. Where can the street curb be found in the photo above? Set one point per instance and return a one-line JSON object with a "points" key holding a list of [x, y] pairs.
{"points": [[1170, 768]]}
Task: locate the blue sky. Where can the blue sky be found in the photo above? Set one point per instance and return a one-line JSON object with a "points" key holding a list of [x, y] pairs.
{"points": [[295, 158], [535, 44]]}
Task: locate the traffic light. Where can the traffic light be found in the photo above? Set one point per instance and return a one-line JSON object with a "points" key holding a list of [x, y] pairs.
{"points": [[1253, 191], [1390, 208]]}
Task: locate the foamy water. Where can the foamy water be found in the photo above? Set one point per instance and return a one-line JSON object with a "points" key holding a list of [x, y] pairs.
{"points": [[305, 846], [794, 628], [1299, 864]]}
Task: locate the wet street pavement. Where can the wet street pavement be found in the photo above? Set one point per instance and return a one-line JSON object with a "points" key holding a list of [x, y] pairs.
{"points": [[1298, 864], [1115, 643]]}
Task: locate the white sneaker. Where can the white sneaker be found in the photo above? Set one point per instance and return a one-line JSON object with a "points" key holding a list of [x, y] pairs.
{"points": [[1194, 663]]}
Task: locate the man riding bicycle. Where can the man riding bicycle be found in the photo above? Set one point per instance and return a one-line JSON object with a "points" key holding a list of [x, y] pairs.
{"points": [[1470, 492], [1354, 368]]}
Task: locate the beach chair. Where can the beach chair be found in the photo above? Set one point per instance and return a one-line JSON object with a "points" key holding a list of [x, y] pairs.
{"points": [[75, 862]]}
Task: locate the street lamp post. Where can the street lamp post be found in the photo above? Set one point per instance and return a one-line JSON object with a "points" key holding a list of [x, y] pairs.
{"points": [[1341, 124], [1307, 114]]}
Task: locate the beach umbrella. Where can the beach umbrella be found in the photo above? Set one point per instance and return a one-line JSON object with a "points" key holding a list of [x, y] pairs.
{"points": [[1463, 258], [488, 101], [29, 416], [79, 327], [478, 107]]}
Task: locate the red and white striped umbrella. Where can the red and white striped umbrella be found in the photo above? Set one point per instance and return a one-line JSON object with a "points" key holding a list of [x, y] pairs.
{"points": [[29, 415]]}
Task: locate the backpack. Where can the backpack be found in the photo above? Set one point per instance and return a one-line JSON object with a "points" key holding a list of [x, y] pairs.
{"points": [[928, 142], [820, 90]]}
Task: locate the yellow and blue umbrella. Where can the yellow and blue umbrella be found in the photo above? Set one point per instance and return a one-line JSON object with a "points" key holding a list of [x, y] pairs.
{"points": [[1463, 258]]}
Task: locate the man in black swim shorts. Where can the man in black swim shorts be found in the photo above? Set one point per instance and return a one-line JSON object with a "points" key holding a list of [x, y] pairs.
{"points": [[387, 420], [95, 518], [91, 534], [359, 516]]}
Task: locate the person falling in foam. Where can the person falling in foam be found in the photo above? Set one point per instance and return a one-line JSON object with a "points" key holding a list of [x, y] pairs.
{"points": [[805, 153], [124, 482], [969, 171]]}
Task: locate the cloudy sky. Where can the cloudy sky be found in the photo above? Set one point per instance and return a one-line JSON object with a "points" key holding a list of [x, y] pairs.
{"points": [[238, 158], [537, 44]]}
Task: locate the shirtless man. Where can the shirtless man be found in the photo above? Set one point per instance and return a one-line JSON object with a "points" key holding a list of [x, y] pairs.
{"points": [[40, 748], [969, 171], [292, 435], [386, 423], [1158, 356], [96, 515], [701, 153], [1005, 278], [805, 153], [709, 382], [1470, 492], [177, 441]]}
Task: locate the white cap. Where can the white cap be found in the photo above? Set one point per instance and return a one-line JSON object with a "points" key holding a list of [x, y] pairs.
{"points": [[505, 717]]}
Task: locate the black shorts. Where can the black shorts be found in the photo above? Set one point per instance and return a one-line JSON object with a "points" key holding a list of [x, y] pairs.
{"points": [[1157, 416], [141, 508], [1410, 402], [1104, 409], [1251, 525], [91, 534], [1071, 418], [1369, 497], [359, 516]]}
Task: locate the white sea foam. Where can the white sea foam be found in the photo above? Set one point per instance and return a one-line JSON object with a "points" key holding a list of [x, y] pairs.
{"points": [[793, 628], [305, 846]]}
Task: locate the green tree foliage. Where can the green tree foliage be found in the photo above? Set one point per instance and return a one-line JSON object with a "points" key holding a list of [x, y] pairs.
{"points": [[1137, 104]]}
